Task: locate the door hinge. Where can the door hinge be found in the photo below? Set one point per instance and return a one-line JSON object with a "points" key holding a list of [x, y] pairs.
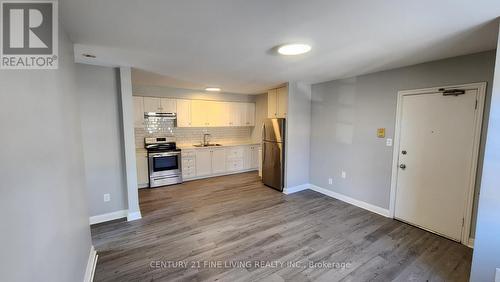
{"points": [[475, 107]]}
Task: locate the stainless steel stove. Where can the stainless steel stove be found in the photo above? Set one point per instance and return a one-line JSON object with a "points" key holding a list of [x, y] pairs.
{"points": [[164, 162]]}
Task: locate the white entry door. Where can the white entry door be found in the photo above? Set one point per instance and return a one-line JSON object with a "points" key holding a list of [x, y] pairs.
{"points": [[436, 152]]}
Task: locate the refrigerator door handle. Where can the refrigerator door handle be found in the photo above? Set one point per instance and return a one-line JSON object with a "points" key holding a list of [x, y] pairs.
{"points": [[263, 130], [263, 153]]}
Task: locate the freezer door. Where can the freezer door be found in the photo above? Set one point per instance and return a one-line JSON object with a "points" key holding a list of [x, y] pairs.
{"points": [[272, 165], [273, 130]]}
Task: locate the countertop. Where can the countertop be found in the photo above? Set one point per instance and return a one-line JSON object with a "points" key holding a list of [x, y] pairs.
{"points": [[192, 147]]}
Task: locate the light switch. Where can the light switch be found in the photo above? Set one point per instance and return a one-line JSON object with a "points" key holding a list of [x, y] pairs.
{"points": [[388, 142], [330, 181], [344, 175], [107, 197]]}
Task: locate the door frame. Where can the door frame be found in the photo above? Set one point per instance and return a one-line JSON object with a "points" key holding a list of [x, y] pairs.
{"points": [[478, 120]]}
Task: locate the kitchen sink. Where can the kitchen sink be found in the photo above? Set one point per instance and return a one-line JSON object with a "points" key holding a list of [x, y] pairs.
{"points": [[207, 145]]}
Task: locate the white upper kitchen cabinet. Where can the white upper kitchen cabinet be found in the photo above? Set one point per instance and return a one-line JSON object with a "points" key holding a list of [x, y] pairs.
{"points": [[183, 113], [277, 102], [248, 114], [168, 105], [216, 116], [282, 102], [234, 114], [218, 160], [203, 162], [138, 103], [272, 100], [159, 105], [199, 113], [152, 104]]}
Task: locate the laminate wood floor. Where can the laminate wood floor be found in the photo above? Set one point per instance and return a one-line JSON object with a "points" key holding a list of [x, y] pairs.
{"points": [[233, 228]]}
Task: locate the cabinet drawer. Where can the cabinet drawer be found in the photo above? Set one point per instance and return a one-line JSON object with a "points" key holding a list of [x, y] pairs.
{"points": [[188, 154], [188, 174], [232, 153], [235, 165], [188, 162]]}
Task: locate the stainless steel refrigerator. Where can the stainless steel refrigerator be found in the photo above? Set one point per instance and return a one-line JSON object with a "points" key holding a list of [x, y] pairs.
{"points": [[273, 153]]}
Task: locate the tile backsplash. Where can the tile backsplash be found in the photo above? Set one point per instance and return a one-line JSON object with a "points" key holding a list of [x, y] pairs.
{"points": [[191, 135]]}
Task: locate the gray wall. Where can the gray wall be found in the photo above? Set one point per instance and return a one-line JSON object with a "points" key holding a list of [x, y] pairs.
{"points": [[298, 134], [486, 257], [102, 138], [346, 114], [45, 229], [162, 91]]}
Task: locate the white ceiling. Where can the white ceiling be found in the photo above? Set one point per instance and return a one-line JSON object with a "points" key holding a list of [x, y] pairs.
{"points": [[229, 43]]}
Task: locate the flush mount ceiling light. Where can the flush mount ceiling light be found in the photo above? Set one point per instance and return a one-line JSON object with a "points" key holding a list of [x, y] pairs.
{"points": [[212, 89], [294, 49]]}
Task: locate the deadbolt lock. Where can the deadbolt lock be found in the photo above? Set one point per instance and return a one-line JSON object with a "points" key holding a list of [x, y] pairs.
{"points": [[403, 152]]}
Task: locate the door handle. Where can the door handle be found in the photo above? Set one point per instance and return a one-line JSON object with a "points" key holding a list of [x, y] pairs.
{"points": [[402, 166]]}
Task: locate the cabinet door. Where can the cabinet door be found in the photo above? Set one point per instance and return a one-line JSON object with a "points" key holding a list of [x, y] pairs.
{"points": [[138, 112], [183, 113], [216, 116], [234, 114], [249, 114], [203, 162], [254, 153], [199, 113], [247, 157], [272, 100], [282, 102], [218, 160], [168, 105], [152, 104], [142, 169]]}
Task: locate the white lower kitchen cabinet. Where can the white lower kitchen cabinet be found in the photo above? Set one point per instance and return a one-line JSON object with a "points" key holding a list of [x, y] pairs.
{"points": [[203, 162], [188, 164], [142, 169], [218, 160], [206, 162]]}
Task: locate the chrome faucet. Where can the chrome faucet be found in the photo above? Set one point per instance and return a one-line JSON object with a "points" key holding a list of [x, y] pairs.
{"points": [[206, 139]]}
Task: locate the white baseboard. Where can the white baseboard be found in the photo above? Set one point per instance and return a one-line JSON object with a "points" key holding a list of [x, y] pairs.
{"points": [[91, 263], [295, 189], [470, 244], [352, 201], [143, 185], [134, 216], [108, 216]]}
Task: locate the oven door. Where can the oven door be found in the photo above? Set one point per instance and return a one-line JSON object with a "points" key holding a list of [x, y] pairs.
{"points": [[164, 164]]}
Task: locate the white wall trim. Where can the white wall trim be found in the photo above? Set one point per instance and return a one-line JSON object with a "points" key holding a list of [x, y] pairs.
{"points": [[352, 201], [134, 216], [91, 263], [481, 88], [107, 216], [295, 189], [470, 244]]}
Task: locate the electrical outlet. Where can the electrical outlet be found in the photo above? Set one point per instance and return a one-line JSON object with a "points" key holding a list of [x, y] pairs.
{"points": [[344, 174], [388, 142], [330, 181], [107, 197]]}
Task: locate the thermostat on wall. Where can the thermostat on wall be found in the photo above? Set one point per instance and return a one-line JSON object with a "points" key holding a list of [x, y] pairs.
{"points": [[381, 132]]}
